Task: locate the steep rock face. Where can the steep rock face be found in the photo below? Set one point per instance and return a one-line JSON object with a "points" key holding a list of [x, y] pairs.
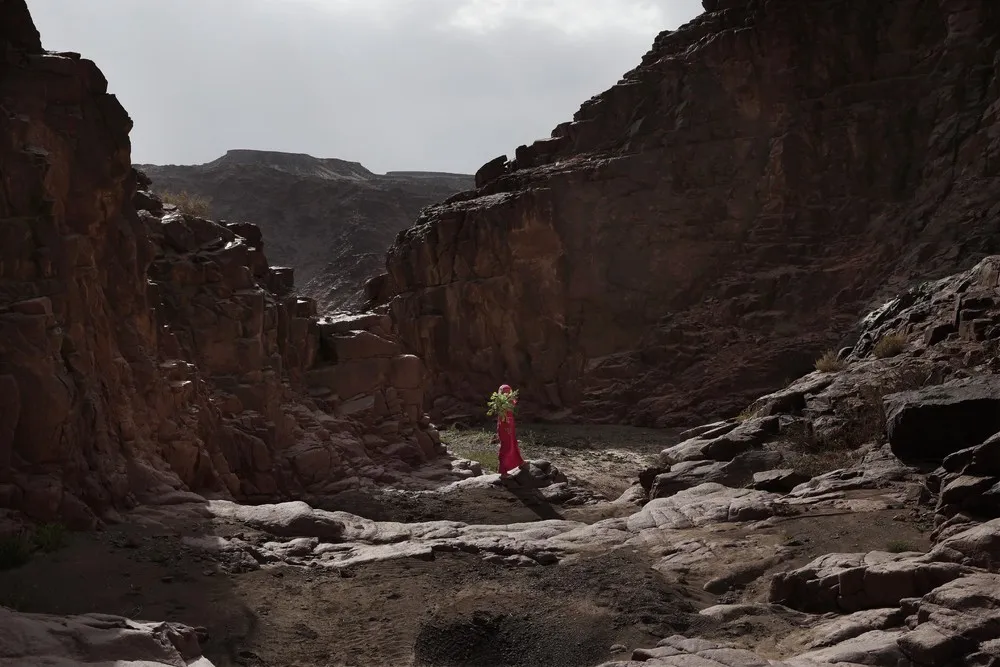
{"points": [[702, 230], [331, 220], [144, 352]]}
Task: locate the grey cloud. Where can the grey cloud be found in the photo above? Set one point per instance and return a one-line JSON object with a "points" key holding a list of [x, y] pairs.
{"points": [[202, 76]]}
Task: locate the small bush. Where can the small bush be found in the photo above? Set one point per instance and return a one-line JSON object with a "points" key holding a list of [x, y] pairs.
{"points": [[899, 547], [50, 537], [745, 414], [15, 551], [830, 363], [889, 346], [813, 463], [190, 204]]}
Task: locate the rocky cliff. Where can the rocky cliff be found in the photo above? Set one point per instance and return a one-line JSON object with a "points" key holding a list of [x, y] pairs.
{"points": [[145, 353], [331, 220], [705, 228]]}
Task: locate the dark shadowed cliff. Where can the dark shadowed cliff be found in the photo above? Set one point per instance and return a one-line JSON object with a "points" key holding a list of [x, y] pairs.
{"points": [[705, 228], [145, 353], [331, 220]]}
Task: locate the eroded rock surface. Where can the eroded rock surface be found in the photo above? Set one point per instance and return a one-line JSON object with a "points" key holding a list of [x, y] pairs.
{"points": [[148, 355], [145, 353], [40, 640], [701, 231]]}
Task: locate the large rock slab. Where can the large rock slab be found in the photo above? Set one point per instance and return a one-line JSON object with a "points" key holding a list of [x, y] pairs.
{"points": [[956, 623], [933, 422], [41, 640], [694, 235], [853, 582], [702, 505], [723, 446], [735, 473]]}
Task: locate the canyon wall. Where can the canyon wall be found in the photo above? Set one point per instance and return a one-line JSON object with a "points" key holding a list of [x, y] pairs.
{"points": [[145, 353], [704, 229]]}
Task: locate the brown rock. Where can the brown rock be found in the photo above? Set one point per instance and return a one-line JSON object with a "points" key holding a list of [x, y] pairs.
{"points": [[407, 372], [708, 226], [351, 378], [363, 345], [146, 354], [10, 408]]}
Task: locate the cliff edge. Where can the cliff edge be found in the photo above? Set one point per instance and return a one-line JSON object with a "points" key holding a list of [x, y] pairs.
{"points": [[704, 229]]}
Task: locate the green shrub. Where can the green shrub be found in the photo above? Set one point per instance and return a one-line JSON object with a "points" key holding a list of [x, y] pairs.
{"points": [[50, 537]]}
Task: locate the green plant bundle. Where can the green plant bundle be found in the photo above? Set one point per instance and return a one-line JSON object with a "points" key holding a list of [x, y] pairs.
{"points": [[501, 404]]}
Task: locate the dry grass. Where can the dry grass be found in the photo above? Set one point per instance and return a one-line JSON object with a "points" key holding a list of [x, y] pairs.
{"points": [[815, 463], [473, 444], [17, 549], [187, 203], [900, 546], [830, 363], [481, 445], [746, 414], [889, 346], [864, 424]]}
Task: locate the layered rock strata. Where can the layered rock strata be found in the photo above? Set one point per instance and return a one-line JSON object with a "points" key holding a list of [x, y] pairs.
{"points": [[701, 231], [144, 352]]}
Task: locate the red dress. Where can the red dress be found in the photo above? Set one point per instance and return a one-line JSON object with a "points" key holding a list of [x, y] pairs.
{"points": [[510, 454]]}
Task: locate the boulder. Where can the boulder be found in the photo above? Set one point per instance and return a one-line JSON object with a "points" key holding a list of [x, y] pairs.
{"points": [[778, 481], [34, 640], [854, 582], [930, 423], [735, 473]]}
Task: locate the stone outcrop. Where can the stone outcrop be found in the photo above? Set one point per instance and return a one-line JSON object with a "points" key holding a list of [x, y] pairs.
{"points": [[145, 353], [330, 220], [34, 640], [701, 231]]}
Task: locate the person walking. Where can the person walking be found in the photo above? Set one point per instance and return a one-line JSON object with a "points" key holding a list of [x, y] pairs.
{"points": [[510, 453]]}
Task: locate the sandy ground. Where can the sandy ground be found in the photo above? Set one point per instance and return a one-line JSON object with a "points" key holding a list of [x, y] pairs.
{"points": [[455, 609]]}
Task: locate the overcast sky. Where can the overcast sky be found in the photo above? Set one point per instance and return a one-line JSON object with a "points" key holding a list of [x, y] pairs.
{"points": [[442, 85]]}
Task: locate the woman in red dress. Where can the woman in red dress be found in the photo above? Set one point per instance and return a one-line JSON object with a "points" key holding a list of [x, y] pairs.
{"points": [[510, 454]]}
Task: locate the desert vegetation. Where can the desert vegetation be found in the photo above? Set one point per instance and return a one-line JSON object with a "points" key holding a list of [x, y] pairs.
{"points": [[188, 203]]}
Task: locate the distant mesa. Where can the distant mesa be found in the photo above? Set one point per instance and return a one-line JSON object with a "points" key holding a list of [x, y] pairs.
{"points": [[329, 219]]}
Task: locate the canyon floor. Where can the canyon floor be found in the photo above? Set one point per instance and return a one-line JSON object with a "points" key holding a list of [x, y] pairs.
{"points": [[447, 605]]}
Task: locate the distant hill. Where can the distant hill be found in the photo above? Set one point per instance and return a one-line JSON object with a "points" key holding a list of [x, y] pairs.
{"points": [[332, 220]]}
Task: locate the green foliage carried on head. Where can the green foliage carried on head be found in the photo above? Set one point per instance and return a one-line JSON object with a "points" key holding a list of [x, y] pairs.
{"points": [[501, 404]]}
